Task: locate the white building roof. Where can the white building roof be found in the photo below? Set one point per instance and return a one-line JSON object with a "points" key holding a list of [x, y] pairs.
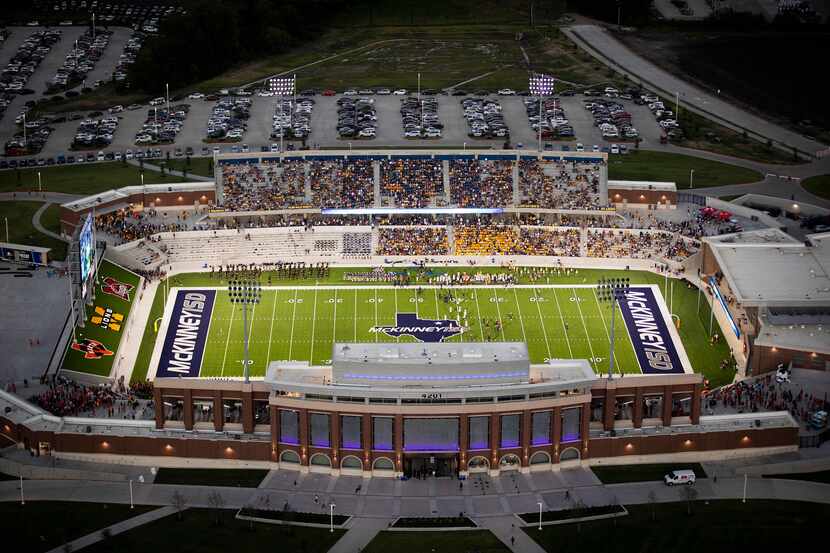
{"points": [[769, 267]]}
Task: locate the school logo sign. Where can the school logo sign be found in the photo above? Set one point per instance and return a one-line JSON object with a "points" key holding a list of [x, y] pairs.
{"points": [[423, 330], [92, 349], [184, 345], [107, 319], [649, 333], [116, 288]]}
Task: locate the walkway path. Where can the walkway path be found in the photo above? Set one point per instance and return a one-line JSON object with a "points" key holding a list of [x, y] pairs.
{"points": [[39, 226], [115, 529]]}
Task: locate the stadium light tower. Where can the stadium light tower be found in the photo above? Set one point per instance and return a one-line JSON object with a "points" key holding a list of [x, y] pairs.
{"points": [[541, 85], [612, 290], [245, 292]]}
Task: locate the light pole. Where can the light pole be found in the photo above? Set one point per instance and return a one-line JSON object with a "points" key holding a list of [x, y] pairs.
{"points": [[23, 501], [7, 228], [245, 292], [331, 516], [541, 85], [612, 290], [132, 505], [677, 106], [39, 183], [540, 514], [691, 178]]}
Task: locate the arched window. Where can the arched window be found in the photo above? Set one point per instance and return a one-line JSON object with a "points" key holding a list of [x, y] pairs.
{"points": [[351, 462], [509, 462], [289, 456], [383, 463], [477, 464], [569, 454], [320, 460], [539, 458]]}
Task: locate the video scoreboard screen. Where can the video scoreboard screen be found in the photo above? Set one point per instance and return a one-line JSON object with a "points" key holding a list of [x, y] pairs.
{"points": [[86, 246]]}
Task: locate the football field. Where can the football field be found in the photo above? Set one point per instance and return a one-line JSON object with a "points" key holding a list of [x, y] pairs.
{"points": [[301, 323]]}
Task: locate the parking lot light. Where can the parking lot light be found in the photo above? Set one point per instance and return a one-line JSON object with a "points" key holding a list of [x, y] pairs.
{"points": [[691, 178]]}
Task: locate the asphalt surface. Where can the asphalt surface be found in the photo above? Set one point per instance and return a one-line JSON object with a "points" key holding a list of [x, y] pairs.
{"points": [[324, 123]]}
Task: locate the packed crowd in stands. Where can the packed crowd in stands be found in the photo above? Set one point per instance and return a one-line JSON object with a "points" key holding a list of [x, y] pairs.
{"points": [[637, 245], [411, 182], [481, 239], [413, 241], [125, 225], [263, 186], [559, 184], [342, 184], [481, 183], [546, 241]]}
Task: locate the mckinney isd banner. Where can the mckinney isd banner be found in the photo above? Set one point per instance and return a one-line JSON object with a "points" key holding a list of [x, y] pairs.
{"points": [[423, 330], [184, 344], [649, 333]]}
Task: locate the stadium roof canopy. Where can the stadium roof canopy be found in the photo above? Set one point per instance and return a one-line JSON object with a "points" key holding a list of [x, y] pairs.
{"points": [[769, 268]]}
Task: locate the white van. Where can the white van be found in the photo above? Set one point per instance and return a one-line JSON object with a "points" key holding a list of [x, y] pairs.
{"points": [[676, 477]]}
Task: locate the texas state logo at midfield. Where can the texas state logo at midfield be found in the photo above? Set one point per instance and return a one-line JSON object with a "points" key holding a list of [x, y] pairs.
{"points": [[424, 330]]}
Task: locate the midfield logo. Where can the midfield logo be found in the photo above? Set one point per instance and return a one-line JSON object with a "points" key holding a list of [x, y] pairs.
{"points": [[424, 330], [92, 349], [117, 288]]}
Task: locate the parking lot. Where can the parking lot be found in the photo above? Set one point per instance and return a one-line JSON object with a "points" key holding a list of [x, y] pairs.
{"points": [[390, 130]]}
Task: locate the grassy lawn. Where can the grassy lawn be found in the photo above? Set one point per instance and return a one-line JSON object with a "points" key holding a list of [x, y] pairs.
{"points": [[245, 478], [669, 167], [43, 525], [198, 532], [617, 474], [80, 179], [463, 541], [818, 185], [444, 54], [822, 476], [728, 525], [21, 230], [202, 166], [693, 331]]}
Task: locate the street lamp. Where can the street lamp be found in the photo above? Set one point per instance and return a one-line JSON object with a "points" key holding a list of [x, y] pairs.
{"points": [[691, 178], [612, 290], [245, 292], [331, 516], [540, 514]]}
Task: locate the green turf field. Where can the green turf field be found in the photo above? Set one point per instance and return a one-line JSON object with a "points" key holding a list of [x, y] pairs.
{"points": [[108, 336], [282, 326], [292, 323]]}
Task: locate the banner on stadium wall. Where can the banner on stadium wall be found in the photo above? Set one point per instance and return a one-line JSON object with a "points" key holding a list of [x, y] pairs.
{"points": [[184, 344], [650, 336]]}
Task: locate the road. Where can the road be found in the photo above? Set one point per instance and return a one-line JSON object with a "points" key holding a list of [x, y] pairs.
{"points": [[602, 45]]}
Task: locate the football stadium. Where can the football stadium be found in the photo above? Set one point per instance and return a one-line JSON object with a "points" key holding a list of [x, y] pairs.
{"points": [[402, 313]]}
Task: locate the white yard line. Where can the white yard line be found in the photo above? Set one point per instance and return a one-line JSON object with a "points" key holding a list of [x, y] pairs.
{"points": [[562, 320], [271, 332], [376, 313], [587, 334], [542, 322], [227, 340], [313, 329], [607, 333], [478, 313], [334, 320], [293, 318], [521, 320], [398, 337], [498, 310]]}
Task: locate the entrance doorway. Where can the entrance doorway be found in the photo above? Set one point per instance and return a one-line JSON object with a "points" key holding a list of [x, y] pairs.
{"points": [[431, 465]]}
